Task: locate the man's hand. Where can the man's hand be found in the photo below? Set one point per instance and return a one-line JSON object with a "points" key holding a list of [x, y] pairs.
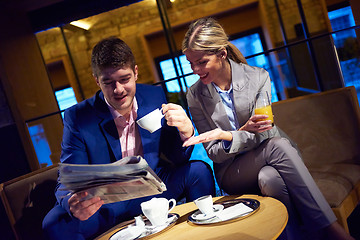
{"points": [[83, 209], [176, 117]]}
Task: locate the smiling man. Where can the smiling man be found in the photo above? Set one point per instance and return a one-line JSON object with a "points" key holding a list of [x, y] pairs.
{"points": [[103, 129]]}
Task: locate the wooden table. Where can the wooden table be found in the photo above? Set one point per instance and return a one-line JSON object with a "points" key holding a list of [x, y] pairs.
{"points": [[267, 223]]}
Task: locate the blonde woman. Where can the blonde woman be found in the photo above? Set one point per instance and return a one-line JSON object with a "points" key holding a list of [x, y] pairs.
{"points": [[250, 155]]}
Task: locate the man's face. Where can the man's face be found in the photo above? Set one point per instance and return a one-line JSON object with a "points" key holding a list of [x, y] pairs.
{"points": [[118, 86]]}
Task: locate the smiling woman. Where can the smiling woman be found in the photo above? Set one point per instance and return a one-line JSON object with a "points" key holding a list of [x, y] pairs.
{"points": [[250, 154]]}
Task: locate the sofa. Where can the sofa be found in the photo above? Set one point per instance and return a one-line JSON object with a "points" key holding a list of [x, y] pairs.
{"points": [[27, 199], [326, 128]]}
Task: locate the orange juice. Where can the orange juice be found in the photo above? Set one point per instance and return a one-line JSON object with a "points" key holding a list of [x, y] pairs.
{"points": [[266, 111]]}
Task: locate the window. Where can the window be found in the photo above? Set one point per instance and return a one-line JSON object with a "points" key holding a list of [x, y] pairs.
{"points": [[340, 19], [66, 98], [41, 145], [168, 72], [346, 44]]}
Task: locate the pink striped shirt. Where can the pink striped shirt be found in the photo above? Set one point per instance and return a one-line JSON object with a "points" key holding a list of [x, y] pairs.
{"points": [[130, 140]]}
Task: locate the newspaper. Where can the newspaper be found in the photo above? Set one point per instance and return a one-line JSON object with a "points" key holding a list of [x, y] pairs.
{"points": [[127, 178]]}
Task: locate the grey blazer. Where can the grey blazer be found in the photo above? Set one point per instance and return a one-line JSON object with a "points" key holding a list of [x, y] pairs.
{"points": [[208, 113]]}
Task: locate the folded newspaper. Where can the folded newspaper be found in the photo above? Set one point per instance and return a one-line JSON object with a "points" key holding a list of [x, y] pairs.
{"points": [[127, 178]]}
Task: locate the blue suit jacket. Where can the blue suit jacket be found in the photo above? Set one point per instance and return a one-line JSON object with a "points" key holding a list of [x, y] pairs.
{"points": [[90, 135]]}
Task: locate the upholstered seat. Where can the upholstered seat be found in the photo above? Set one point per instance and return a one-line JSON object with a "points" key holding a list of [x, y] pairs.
{"points": [[326, 128], [27, 199]]}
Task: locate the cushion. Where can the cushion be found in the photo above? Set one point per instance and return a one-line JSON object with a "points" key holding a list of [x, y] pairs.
{"points": [[336, 181], [324, 126]]}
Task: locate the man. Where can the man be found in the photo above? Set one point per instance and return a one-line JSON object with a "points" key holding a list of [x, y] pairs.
{"points": [[103, 129]]}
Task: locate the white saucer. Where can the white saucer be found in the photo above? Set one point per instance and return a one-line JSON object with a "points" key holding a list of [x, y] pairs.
{"points": [[201, 216], [160, 227], [129, 233], [132, 231]]}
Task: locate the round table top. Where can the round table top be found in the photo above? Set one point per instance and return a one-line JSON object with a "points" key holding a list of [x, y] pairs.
{"points": [[267, 223]]}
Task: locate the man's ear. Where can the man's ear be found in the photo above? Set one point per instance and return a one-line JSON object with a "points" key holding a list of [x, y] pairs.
{"points": [[96, 80], [136, 72]]}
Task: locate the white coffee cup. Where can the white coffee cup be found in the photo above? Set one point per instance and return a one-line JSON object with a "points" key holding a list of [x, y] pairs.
{"points": [[205, 204], [157, 210], [151, 121]]}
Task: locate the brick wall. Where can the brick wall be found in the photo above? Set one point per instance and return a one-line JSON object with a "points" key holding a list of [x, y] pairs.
{"points": [[314, 13]]}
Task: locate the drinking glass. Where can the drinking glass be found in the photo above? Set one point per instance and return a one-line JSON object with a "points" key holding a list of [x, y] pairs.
{"points": [[263, 106]]}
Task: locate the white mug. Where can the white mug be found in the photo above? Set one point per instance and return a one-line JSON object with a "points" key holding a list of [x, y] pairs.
{"points": [[157, 210], [205, 204], [151, 121]]}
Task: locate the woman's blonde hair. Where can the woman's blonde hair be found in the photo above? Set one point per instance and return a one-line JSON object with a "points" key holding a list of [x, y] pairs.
{"points": [[206, 34]]}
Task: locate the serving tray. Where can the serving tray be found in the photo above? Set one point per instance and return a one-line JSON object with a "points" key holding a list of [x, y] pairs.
{"points": [[233, 210]]}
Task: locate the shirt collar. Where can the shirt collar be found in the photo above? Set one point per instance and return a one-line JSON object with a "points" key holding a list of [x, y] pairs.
{"points": [[115, 114], [219, 90]]}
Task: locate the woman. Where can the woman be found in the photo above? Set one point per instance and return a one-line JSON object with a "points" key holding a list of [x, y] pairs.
{"points": [[250, 155]]}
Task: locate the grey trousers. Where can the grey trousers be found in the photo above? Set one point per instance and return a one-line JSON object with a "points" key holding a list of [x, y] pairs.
{"points": [[276, 169]]}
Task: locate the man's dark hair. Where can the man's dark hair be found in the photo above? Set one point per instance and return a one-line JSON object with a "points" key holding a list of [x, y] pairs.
{"points": [[111, 52]]}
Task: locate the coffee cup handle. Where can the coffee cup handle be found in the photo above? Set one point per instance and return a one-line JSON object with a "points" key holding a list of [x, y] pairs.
{"points": [[174, 204], [162, 113]]}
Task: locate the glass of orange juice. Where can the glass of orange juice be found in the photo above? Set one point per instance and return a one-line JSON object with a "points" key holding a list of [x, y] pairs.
{"points": [[263, 106]]}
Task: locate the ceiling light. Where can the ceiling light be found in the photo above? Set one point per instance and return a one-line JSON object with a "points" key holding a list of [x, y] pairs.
{"points": [[81, 24]]}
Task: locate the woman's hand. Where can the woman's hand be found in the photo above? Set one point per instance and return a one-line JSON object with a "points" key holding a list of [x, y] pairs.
{"points": [[256, 124], [83, 209], [176, 117], [216, 134]]}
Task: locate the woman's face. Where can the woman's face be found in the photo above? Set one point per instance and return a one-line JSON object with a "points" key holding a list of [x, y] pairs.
{"points": [[209, 67]]}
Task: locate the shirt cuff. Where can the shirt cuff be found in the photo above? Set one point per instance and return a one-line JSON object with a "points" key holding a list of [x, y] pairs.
{"points": [[184, 138]]}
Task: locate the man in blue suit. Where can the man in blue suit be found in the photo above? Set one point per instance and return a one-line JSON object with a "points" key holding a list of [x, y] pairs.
{"points": [[103, 129]]}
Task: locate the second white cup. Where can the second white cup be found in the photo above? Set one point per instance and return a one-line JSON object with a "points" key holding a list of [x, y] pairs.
{"points": [[205, 204]]}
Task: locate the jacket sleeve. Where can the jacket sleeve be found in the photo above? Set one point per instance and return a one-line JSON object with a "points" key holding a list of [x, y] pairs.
{"points": [[203, 123], [171, 144], [73, 151]]}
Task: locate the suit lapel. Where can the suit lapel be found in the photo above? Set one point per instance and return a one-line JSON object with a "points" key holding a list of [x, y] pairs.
{"points": [[111, 134], [144, 108], [240, 83], [107, 126], [214, 107]]}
